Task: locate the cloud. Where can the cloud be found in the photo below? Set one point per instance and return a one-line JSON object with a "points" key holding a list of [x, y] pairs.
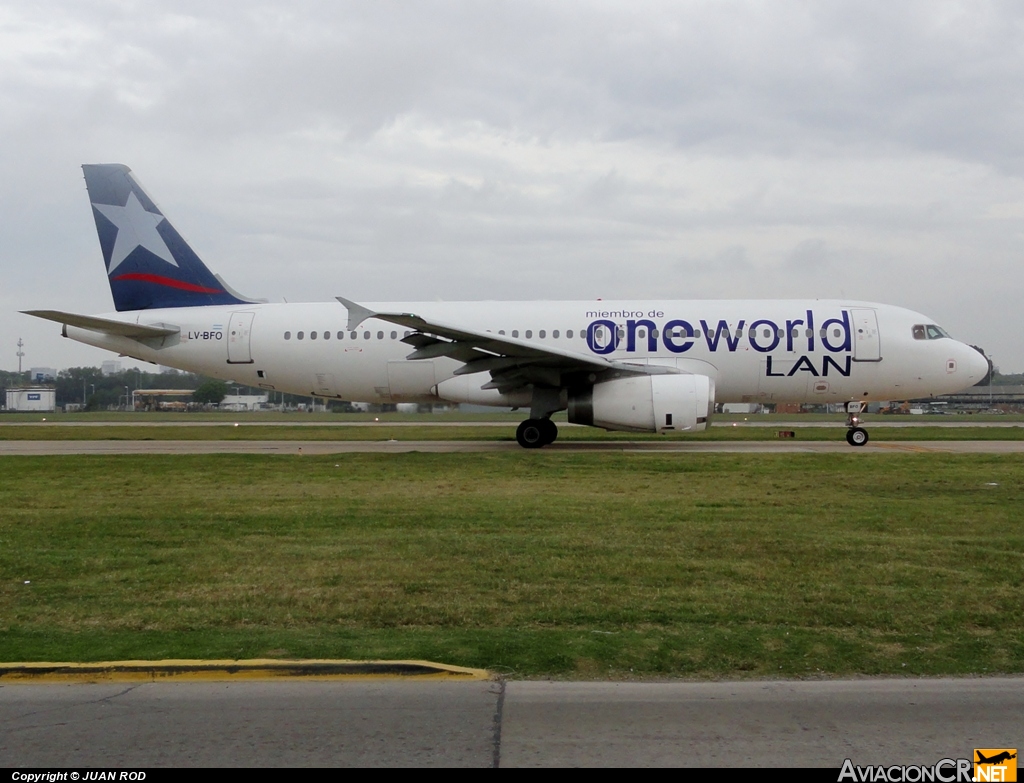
{"points": [[465, 150]]}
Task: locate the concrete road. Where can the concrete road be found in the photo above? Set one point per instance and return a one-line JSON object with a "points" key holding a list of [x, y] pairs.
{"points": [[917, 421], [839, 446], [481, 724]]}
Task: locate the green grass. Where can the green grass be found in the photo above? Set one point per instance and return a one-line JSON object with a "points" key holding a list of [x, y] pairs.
{"points": [[534, 564]]}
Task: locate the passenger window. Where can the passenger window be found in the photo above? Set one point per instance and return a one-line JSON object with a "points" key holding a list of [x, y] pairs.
{"points": [[341, 335], [809, 333], [767, 332], [836, 332], [501, 331], [380, 335], [394, 335], [287, 335], [327, 335], [568, 333], [739, 332], [312, 335], [406, 333], [823, 334], [366, 335], [621, 333], [542, 334], [353, 335], [696, 333], [654, 333], [515, 332], [300, 335], [529, 333], [640, 333]]}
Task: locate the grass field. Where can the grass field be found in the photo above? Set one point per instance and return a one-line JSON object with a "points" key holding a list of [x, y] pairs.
{"points": [[541, 564]]}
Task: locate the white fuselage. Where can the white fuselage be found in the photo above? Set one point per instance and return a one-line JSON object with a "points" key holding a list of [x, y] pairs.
{"points": [[754, 350]]}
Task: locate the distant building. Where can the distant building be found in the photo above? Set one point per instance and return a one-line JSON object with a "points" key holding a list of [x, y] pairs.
{"points": [[110, 367], [789, 407], [741, 407], [32, 399], [243, 402], [42, 374]]}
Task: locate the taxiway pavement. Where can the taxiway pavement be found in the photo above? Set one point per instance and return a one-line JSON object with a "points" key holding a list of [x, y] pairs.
{"points": [[313, 447], [484, 724]]}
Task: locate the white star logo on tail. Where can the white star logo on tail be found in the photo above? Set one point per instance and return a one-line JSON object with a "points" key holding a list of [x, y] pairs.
{"points": [[135, 228]]}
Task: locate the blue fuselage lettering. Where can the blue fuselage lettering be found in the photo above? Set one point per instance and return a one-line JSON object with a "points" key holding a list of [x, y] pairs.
{"points": [[678, 335]]}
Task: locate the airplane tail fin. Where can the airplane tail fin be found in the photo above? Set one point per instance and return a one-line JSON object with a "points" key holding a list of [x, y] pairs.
{"points": [[149, 264]]}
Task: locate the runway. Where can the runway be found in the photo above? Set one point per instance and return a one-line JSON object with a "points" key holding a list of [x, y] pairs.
{"points": [[518, 724], [426, 421], [315, 447]]}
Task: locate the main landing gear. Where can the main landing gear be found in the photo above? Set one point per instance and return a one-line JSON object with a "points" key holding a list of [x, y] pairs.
{"points": [[534, 433], [855, 434]]}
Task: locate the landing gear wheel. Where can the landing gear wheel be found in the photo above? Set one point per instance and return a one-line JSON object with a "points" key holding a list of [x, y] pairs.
{"points": [[550, 431], [531, 433], [856, 436]]}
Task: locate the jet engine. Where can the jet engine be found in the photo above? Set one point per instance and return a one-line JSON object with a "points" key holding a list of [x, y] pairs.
{"points": [[646, 403]]}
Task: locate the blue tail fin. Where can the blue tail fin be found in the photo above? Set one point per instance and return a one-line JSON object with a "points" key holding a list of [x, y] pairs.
{"points": [[149, 264]]}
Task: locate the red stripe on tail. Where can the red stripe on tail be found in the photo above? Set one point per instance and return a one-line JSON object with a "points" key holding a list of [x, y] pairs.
{"points": [[170, 282]]}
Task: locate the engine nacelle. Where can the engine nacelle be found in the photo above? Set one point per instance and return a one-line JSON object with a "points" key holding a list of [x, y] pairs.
{"points": [[646, 403], [466, 388]]}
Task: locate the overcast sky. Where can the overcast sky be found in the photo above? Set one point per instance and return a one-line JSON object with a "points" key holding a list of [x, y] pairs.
{"points": [[526, 150]]}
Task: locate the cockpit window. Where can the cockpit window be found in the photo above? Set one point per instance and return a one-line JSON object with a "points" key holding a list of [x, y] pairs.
{"points": [[929, 332]]}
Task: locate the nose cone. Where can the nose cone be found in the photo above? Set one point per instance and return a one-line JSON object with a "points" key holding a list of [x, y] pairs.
{"points": [[974, 364]]}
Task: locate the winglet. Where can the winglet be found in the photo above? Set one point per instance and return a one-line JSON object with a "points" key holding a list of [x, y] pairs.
{"points": [[356, 312]]}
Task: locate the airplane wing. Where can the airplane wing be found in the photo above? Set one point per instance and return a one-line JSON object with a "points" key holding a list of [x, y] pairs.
{"points": [[512, 363], [105, 325]]}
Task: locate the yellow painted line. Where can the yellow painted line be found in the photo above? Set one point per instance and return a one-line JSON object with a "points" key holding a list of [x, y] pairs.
{"points": [[228, 670]]}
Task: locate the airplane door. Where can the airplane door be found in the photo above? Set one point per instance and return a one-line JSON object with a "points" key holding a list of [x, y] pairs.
{"points": [[324, 385], [866, 340], [239, 334]]}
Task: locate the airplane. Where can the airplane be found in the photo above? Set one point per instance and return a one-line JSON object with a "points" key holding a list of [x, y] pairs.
{"points": [[996, 759], [654, 366]]}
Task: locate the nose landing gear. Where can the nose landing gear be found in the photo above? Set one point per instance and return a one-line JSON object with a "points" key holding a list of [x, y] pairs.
{"points": [[855, 434], [534, 433]]}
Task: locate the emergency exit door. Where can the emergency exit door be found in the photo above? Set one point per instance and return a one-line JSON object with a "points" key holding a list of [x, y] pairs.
{"points": [[239, 335], [867, 344]]}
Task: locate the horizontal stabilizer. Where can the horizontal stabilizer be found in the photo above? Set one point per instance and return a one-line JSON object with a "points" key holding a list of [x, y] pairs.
{"points": [[105, 325]]}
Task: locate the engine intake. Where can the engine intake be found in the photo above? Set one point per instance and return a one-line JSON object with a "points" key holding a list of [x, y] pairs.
{"points": [[646, 403]]}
